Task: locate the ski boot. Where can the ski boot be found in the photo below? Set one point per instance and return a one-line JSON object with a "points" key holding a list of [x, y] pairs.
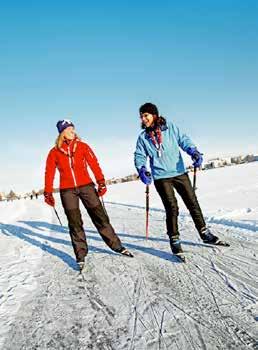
{"points": [[125, 252], [81, 265], [176, 248], [210, 238]]}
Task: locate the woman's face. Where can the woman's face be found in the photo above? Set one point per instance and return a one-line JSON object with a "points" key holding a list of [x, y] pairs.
{"points": [[69, 133], [147, 119]]}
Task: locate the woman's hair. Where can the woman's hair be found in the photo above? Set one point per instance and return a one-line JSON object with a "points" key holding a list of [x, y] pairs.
{"points": [[158, 122], [61, 138]]}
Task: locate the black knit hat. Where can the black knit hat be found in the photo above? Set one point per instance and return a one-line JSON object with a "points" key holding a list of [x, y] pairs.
{"points": [[63, 124], [149, 108]]}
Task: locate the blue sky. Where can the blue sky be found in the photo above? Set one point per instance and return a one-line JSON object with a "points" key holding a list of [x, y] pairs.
{"points": [[97, 62]]}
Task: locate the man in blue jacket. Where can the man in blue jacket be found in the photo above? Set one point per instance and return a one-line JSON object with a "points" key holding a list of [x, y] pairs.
{"points": [[160, 141]]}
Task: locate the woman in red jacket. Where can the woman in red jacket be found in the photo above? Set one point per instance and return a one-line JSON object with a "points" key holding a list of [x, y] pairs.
{"points": [[71, 157]]}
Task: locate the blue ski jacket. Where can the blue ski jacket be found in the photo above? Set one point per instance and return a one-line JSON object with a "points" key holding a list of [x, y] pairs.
{"points": [[168, 162]]}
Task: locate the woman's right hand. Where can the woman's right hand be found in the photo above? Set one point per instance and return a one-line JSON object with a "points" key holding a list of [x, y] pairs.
{"points": [[145, 176], [49, 198], [102, 188]]}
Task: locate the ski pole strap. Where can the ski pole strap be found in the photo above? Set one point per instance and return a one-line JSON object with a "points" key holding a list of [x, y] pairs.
{"points": [[57, 216]]}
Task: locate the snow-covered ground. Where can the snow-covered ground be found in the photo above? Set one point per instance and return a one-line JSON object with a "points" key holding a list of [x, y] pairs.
{"points": [[149, 302]]}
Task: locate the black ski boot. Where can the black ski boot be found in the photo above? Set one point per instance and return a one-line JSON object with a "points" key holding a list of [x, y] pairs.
{"points": [[210, 238], [176, 248], [125, 252], [81, 265]]}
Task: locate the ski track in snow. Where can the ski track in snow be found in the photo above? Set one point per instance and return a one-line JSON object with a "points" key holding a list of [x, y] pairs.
{"points": [[149, 302]]}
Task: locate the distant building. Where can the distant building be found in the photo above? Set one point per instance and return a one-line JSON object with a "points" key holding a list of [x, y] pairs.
{"points": [[249, 158], [132, 177], [227, 161], [237, 160], [214, 163], [2, 196], [11, 196]]}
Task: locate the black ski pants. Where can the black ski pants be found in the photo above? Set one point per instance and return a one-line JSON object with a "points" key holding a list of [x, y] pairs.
{"points": [[89, 198], [183, 186]]}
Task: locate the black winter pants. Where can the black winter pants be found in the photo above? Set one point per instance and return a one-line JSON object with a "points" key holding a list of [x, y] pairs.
{"points": [[183, 186], [70, 201]]}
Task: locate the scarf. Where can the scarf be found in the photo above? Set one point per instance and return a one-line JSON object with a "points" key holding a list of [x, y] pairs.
{"points": [[156, 138]]}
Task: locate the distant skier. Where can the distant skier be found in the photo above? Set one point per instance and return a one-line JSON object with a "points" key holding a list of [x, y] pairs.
{"points": [[71, 157], [160, 141], [31, 196]]}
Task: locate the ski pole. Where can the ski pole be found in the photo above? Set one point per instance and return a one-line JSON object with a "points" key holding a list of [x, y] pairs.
{"points": [[147, 210], [57, 216], [194, 179], [103, 204]]}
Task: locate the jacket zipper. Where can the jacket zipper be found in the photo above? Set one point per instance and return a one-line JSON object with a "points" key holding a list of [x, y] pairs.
{"points": [[70, 163]]}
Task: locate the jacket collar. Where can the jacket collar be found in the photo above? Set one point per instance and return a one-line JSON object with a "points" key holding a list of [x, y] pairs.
{"points": [[68, 143], [147, 131], [163, 127]]}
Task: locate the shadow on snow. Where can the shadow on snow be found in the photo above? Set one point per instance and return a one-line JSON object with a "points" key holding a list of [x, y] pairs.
{"points": [[31, 237]]}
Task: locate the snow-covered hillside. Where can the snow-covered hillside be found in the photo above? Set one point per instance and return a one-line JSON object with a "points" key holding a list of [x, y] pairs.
{"points": [[149, 302]]}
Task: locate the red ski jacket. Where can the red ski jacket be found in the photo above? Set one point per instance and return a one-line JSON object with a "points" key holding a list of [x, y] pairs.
{"points": [[72, 161]]}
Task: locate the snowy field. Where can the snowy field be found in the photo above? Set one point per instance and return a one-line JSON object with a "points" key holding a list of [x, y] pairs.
{"points": [[149, 302]]}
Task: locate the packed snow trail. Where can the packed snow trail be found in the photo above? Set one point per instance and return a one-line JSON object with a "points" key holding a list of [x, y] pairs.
{"points": [[149, 302]]}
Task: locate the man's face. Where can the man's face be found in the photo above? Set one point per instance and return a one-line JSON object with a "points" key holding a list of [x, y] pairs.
{"points": [[147, 119]]}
